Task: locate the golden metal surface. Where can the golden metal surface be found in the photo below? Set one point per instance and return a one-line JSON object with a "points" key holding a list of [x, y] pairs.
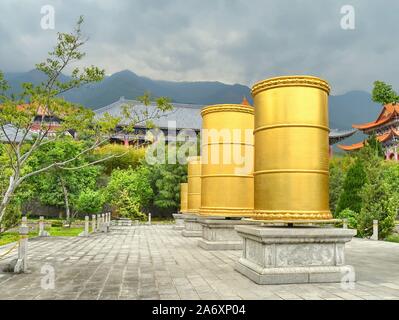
{"points": [[227, 184], [183, 197], [291, 149], [194, 185]]}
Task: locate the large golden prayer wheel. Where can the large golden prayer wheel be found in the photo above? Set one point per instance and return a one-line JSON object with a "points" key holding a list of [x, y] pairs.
{"points": [[194, 184], [227, 160], [183, 197], [291, 149]]}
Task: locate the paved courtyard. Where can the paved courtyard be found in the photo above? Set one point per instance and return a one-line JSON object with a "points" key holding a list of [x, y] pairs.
{"points": [[156, 262]]}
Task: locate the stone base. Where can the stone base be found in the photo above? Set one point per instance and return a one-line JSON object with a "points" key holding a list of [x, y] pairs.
{"points": [[44, 233], [219, 234], [192, 228], [273, 255], [179, 221]]}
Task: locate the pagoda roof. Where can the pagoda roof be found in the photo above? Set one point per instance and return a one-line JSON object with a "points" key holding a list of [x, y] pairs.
{"points": [[381, 138], [245, 101], [388, 112]]}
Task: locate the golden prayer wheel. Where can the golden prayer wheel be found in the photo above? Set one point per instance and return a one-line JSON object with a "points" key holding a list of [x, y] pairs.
{"points": [[183, 197], [194, 184], [291, 149], [227, 182]]}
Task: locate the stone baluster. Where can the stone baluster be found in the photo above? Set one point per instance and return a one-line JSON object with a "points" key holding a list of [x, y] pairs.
{"points": [[98, 222], [149, 218], [42, 232], [103, 222], [85, 233], [345, 223], [93, 223], [21, 264], [375, 230]]}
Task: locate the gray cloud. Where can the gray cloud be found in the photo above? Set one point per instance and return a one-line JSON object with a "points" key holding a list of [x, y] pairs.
{"points": [[233, 41]]}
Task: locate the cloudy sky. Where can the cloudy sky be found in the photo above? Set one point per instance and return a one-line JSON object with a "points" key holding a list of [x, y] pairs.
{"points": [[233, 41]]}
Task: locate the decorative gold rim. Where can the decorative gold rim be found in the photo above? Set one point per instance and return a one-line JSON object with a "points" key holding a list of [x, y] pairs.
{"points": [[289, 81], [230, 212], [227, 175], [292, 125], [291, 215], [261, 172], [227, 108]]}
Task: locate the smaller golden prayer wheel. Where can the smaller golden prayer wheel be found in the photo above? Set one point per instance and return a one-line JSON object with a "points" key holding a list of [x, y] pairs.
{"points": [[194, 184], [227, 160], [183, 197]]}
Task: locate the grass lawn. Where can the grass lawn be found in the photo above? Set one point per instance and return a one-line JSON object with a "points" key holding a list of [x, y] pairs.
{"points": [[393, 238], [8, 237], [64, 232]]}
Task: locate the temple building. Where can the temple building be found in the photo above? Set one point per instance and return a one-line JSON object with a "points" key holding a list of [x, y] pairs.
{"points": [[386, 129], [185, 116]]}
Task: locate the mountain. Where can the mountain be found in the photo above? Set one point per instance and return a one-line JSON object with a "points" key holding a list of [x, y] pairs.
{"points": [[346, 109]]}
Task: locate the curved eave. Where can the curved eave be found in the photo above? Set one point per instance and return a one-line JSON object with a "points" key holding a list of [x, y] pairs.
{"points": [[352, 147]]}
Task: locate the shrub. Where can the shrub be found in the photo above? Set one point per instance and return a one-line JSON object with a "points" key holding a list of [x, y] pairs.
{"points": [[90, 202], [128, 207], [12, 216], [380, 202], [354, 181], [129, 191], [351, 216], [125, 158]]}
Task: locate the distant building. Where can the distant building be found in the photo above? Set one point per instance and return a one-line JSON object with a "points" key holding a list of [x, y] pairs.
{"points": [[186, 116], [386, 129]]}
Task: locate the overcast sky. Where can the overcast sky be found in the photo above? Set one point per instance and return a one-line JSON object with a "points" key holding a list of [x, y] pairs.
{"points": [[232, 41]]}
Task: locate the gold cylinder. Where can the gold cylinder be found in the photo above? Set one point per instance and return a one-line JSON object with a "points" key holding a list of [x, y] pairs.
{"points": [[183, 197], [291, 149], [194, 185], [227, 182]]}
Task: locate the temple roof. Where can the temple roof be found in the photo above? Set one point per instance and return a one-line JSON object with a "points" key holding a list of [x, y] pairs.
{"points": [[381, 138], [187, 116], [245, 101], [388, 112]]}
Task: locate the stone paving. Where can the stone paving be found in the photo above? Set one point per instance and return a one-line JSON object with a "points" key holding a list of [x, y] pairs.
{"points": [[156, 262]]}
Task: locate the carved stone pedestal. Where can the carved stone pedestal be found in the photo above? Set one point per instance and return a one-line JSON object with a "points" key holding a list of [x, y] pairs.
{"points": [[192, 228], [219, 234], [274, 255], [179, 221]]}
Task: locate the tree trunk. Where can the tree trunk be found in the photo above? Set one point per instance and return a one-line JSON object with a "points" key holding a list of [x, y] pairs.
{"points": [[66, 200], [7, 197]]}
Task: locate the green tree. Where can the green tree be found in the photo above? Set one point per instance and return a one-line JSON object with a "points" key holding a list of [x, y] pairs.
{"points": [[165, 181], [129, 191], [62, 188], [337, 177], [90, 201], [383, 93], [46, 97], [375, 146], [124, 157], [354, 181], [380, 200]]}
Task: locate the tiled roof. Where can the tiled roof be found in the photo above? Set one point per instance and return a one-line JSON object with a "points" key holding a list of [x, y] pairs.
{"points": [[187, 116], [381, 138], [13, 134], [387, 113]]}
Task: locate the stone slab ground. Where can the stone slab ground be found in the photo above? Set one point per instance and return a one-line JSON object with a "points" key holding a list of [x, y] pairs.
{"points": [[157, 262]]}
